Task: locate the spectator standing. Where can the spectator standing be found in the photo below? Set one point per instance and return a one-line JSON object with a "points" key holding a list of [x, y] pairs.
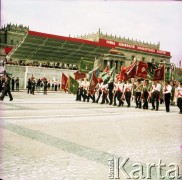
{"points": [[17, 84], [13, 83]]}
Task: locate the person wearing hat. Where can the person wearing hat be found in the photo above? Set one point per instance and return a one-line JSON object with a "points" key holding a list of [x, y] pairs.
{"points": [[179, 96], [6, 89], [167, 95]]}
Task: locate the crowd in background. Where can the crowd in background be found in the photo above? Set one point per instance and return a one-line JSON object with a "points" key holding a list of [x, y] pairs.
{"points": [[46, 65], [42, 84]]}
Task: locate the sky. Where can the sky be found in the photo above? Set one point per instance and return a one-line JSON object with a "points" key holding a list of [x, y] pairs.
{"points": [[148, 21]]}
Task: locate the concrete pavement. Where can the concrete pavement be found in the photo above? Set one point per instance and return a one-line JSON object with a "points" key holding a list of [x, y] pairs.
{"points": [[55, 137]]}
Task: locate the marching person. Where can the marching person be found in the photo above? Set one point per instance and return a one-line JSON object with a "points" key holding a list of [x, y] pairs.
{"points": [[155, 95], [179, 96], [145, 94], [110, 91], [104, 94], [85, 85], [120, 92], [138, 92], [127, 91], [167, 95], [6, 89], [99, 89], [79, 93]]}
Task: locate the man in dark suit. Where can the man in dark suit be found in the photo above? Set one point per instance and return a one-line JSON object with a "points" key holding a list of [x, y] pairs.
{"points": [[6, 89]]}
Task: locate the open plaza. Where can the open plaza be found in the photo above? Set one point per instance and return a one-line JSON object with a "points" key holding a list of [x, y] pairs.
{"points": [[54, 137]]}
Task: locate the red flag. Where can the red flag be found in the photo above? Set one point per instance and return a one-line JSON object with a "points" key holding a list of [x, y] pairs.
{"points": [[130, 71], [121, 74], [93, 83], [142, 70], [159, 74], [79, 75], [64, 83], [106, 69]]}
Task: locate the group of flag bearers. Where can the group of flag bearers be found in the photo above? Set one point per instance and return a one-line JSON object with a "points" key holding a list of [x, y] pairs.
{"points": [[131, 84]]}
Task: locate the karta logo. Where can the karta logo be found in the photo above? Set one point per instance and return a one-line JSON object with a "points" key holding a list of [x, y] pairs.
{"points": [[129, 170]]}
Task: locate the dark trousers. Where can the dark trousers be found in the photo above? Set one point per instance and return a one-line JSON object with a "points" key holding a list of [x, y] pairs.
{"points": [[6, 91], [128, 97], [45, 90], [167, 98], [29, 90], [91, 97], [145, 99], [115, 96], [104, 98], [119, 94], [17, 87], [110, 97], [85, 95], [138, 99], [79, 95], [100, 92], [179, 104], [155, 97]]}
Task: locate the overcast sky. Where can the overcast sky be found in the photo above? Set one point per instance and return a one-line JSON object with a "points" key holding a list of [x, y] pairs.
{"points": [[149, 21]]}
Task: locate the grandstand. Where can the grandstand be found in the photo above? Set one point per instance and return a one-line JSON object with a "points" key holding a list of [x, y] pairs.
{"points": [[22, 44]]}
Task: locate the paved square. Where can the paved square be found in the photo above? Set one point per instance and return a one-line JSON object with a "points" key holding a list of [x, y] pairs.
{"points": [[55, 137]]}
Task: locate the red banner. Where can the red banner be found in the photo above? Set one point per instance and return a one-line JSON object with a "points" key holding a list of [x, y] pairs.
{"points": [[79, 75], [93, 83], [159, 74], [114, 44], [142, 70], [130, 71], [121, 74], [64, 82]]}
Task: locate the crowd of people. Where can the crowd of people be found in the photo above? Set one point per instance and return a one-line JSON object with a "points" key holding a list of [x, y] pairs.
{"points": [[46, 65], [14, 83], [113, 93], [141, 92], [42, 84]]}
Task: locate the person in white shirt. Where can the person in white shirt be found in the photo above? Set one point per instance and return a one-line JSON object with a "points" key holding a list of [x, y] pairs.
{"points": [[138, 93], [167, 95], [179, 96], [104, 94], [155, 95], [85, 86], [127, 91], [120, 89], [99, 89]]}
